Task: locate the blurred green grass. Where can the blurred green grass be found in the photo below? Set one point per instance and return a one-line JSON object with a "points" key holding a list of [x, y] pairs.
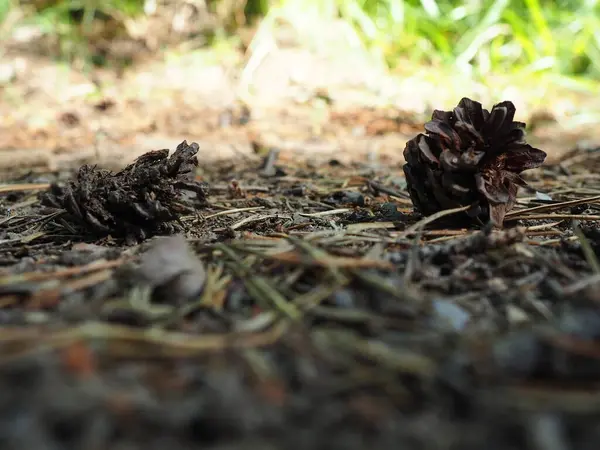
{"points": [[561, 37]]}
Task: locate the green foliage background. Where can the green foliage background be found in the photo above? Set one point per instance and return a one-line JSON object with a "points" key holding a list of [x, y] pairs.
{"points": [[532, 36]]}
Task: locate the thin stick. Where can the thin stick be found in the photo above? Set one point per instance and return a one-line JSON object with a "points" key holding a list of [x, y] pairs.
{"points": [[233, 211], [23, 187], [556, 216], [553, 206], [327, 213], [427, 220], [251, 219]]}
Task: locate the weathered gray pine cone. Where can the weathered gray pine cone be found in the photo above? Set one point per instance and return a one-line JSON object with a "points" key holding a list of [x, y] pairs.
{"points": [[140, 201]]}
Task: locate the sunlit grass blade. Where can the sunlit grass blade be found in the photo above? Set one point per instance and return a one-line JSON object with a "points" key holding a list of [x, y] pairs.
{"points": [[543, 30]]}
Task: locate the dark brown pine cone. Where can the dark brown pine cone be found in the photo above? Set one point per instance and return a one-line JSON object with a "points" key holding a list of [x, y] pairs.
{"points": [[140, 201], [470, 156]]}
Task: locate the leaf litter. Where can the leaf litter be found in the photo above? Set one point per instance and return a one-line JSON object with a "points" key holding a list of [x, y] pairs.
{"points": [[296, 305]]}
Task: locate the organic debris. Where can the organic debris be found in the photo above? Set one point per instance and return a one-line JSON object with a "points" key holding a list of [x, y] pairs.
{"points": [[470, 156], [309, 308], [138, 202]]}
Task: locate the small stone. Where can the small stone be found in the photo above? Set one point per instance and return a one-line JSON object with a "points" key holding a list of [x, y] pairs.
{"points": [[171, 266], [450, 314], [516, 315]]}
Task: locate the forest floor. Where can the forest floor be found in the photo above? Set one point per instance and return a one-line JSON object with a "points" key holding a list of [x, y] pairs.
{"points": [[303, 304]]}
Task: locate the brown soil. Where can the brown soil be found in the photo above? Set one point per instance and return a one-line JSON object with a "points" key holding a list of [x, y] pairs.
{"points": [[302, 303], [305, 104]]}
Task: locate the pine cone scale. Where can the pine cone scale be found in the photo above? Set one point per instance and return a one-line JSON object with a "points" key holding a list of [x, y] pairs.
{"points": [[426, 151], [445, 132], [523, 157]]}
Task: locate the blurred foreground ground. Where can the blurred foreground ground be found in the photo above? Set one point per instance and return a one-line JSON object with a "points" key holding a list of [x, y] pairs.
{"points": [[309, 103], [306, 305]]}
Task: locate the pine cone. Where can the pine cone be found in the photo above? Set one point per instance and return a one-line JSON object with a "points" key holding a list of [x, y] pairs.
{"points": [[140, 201], [470, 156]]}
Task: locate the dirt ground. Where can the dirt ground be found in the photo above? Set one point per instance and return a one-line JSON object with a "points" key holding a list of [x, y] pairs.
{"points": [[306, 103], [298, 301]]}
